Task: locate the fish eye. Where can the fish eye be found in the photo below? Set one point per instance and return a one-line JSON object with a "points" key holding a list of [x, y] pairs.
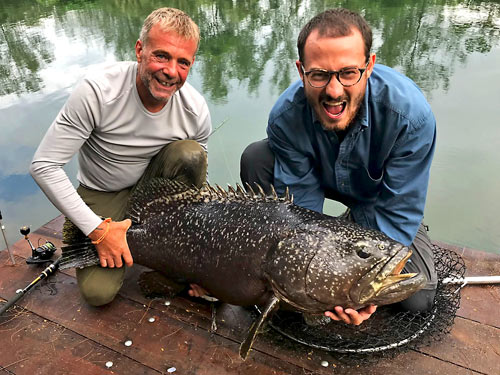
{"points": [[363, 254], [381, 246]]}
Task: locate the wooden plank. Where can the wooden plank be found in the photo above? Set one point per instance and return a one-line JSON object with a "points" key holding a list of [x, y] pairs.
{"points": [[32, 345], [232, 323], [483, 294], [478, 300], [123, 319], [480, 303], [478, 263], [416, 364], [165, 342], [192, 319], [55, 225], [470, 345]]}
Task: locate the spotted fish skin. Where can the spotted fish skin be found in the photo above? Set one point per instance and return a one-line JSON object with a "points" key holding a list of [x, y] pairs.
{"points": [[243, 248]]}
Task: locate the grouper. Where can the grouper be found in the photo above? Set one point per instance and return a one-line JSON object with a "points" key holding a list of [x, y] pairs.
{"points": [[246, 248]]}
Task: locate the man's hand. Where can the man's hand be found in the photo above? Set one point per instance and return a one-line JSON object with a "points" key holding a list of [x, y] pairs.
{"points": [[197, 291], [351, 316], [113, 248]]}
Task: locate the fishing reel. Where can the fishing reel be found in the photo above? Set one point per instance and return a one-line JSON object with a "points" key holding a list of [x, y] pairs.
{"points": [[41, 254]]}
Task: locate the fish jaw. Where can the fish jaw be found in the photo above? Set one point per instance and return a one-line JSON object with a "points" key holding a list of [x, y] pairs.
{"points": [[385, 284]]}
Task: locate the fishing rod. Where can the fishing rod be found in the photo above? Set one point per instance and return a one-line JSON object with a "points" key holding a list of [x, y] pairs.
{"points": [[39, 255], [6, 243], [21, 292], [218, 127]]}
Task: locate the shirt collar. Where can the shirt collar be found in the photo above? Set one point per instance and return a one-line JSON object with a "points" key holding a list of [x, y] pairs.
{"points": [[362, 116]]}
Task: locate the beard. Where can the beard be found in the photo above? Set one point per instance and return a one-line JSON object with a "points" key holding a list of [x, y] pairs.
{"points": [[338, 117], [149, 81]]}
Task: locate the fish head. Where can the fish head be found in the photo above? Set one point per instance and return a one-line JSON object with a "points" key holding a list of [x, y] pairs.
{"points": [[332, 263]]}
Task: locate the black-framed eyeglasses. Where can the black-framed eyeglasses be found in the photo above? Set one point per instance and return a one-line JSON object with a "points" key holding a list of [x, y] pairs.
{"points": [[319, 78]]}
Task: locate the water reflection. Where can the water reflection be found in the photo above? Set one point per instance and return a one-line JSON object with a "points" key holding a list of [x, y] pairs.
{"points": [[425, 39], [246, 59], [24, 52]]}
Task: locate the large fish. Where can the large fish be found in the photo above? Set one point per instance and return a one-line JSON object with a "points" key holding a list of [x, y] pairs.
{"points": [[251, 249]]}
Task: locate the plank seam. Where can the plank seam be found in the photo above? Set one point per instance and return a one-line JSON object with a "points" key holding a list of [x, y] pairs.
{"points": [[88, 338], [452, 363]]}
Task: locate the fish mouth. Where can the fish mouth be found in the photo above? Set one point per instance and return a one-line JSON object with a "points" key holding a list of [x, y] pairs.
{"points": [[385, 284]]}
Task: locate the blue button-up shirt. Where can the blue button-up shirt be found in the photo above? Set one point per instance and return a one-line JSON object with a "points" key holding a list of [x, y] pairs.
{"points": [[380, 170]]}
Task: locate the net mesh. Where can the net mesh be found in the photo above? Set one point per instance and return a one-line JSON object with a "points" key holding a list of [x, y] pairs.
{"points": [[389, 331]]}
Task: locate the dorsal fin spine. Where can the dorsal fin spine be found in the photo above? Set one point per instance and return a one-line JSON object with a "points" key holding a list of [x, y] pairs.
{"points": [[166, 191]]}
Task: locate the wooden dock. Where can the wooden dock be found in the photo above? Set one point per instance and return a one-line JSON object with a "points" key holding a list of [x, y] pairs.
{"points": [[53, 331]]}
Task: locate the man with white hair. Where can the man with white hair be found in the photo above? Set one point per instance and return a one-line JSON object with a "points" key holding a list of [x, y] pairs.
{"points": [[129, 122]]}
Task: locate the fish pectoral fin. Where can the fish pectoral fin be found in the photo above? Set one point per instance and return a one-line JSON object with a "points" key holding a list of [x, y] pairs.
{"points": [[315, 320], [271, 306], [155, 284]]}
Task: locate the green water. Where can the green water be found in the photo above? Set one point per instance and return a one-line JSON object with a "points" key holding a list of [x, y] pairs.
{"points": [[246, 58]]}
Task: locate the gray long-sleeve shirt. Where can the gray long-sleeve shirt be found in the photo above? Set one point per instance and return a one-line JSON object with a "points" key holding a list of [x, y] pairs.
{"points": [[115, 136]]}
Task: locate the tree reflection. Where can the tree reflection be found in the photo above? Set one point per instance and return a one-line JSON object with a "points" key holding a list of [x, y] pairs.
{"points": [[241, 39], [23, 51], [427, 39]]}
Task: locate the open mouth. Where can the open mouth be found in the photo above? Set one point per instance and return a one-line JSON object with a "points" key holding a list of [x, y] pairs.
{"points": [[334, 109], [166, 84], [389, 285], [395, 276]]}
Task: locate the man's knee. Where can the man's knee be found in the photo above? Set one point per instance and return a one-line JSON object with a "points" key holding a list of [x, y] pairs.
{"points": [[422, 301], [99, 286], [183, 160], [257, 165], [96, 297], [188, 153], [422, 261], [187, 149]]}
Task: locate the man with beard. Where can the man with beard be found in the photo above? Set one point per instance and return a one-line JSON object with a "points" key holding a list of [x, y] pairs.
{"points": [[356, 132], [129, 122]]}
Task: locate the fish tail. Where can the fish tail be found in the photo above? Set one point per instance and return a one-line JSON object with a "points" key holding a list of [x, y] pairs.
{"points": [[71, 233], [79, 252]]}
